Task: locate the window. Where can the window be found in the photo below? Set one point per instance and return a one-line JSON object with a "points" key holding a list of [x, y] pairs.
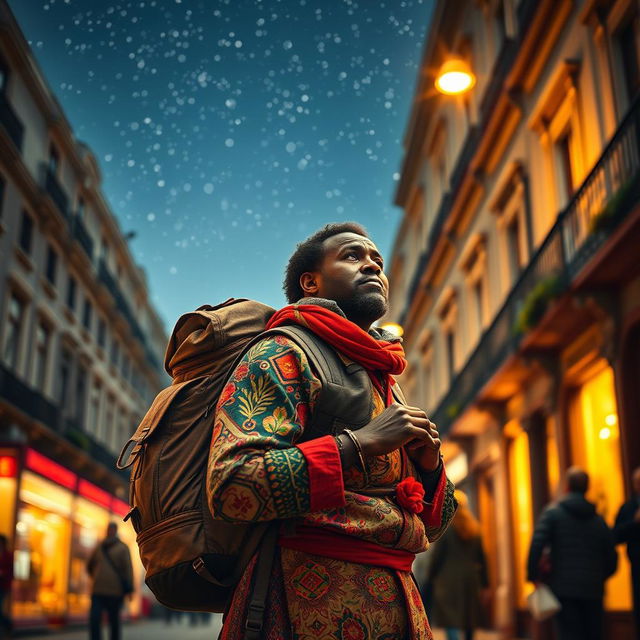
{"points": [[81, 395], [628, 47], [42, 355], [71, 293], [26, 233], [563, 145], [102, 333], [64, 379], [104, 250], [450, 342], [93, 421], [54, 160], [11, 347], [478, 302], [126, 367], [513, 248], [115, 353], [109, 432], [51, 265], [86, 315]]}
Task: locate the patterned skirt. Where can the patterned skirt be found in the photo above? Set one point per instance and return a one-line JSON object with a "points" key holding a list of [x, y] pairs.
{"points": [[316, 598]]}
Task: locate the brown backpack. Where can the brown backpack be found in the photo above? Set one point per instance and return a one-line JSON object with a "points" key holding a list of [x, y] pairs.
{"points": [[192, 560]]}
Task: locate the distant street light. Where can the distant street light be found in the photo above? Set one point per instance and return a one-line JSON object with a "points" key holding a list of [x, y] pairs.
{"points": [[455, 77], [393, 328]]}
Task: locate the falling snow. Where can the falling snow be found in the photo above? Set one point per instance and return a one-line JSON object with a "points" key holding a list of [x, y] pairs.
{"points": [[228, 131]]}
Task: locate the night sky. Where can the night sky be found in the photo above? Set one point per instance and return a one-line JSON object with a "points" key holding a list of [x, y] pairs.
{"points": [[229, 130]]}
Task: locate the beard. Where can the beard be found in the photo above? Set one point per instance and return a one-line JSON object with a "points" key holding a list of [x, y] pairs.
{"points": [[364, 307]]}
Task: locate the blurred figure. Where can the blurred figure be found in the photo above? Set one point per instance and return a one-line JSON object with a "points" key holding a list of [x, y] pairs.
{"points": [[457, 575], [110, 569], [6, 578], [627, 531], [582, 556]]}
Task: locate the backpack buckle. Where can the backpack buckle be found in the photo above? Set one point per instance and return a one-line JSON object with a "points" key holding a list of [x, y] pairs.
{"points": [[255, 617]]}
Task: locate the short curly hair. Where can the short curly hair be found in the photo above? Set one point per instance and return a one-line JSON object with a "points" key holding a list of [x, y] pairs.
{"points": [[308, 255]]}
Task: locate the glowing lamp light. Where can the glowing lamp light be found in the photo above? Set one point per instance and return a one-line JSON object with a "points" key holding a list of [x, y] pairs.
{"points": [[605, 433], [611, 420], [393, 328], [8, 467], [455, 77]]}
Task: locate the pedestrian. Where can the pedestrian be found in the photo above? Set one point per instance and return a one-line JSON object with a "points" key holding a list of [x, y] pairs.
{"points": [[581, 556], [457, 576], [627, 531], [6, 579], [350, 502], [112, 581]]}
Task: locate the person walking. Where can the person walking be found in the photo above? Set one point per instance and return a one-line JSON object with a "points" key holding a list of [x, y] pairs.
{"points": [[112, 580], [352, 501], [457, 576], [6, 579], [627, 531], [582, 556]]}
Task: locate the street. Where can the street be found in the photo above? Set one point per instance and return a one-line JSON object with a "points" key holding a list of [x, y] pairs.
{"points": [[159, 630]]}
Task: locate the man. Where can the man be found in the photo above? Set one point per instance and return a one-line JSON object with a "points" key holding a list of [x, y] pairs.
{"points": [[112, 580], [627, 530], [350, 501], [582, 557]]}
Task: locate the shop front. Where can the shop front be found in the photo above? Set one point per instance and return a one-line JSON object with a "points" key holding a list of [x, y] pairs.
{"points": [[59, 519]]}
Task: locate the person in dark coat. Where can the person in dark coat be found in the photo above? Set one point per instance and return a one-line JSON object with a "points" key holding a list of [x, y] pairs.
{"points": [[457, 575], [627, 531], [582, 556]]}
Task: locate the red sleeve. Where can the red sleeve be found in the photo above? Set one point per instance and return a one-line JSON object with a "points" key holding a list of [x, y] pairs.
{"points": [[326, 486], [432, 513]]}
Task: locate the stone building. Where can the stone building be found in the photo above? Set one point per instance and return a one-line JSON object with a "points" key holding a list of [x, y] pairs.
{"points": [[516, 273], [81, 346]]}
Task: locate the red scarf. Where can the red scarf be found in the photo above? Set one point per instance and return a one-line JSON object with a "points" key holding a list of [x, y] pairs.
{"points": [[376, 356]]}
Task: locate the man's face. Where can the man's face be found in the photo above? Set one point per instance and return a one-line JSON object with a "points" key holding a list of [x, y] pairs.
{"points": [[351, 273]]}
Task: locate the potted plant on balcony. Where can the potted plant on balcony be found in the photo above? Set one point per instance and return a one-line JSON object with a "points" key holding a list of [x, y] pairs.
{"points": [[616, 206], [536, 303]]}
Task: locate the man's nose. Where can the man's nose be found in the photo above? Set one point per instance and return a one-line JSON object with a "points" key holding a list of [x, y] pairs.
{"points": [[371, 265]]}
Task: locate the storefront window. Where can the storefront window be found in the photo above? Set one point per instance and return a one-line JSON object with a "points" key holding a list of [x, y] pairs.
{"points": [[595, 446], [41, 549], [521, 506], [89, 527]]}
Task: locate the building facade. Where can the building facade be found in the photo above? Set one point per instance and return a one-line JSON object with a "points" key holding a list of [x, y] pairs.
{"points": [[515, 272], [81, 347]]}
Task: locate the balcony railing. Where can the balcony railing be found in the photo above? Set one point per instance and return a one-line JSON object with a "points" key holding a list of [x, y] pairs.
{"points": [[81, 234], [54, 189], [10, 121], [605, 197]]}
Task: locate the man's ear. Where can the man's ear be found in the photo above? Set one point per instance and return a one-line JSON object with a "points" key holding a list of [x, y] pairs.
{"points": [[309, 284]]}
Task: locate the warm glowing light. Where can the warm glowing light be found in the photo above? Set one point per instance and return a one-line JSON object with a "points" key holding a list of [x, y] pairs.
{"points": [[605, 433], [455, 77], [8, 467], [611, 420], [393, 328]]}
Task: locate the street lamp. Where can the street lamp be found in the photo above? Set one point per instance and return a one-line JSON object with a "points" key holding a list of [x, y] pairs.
{"points": [[455, 77]]}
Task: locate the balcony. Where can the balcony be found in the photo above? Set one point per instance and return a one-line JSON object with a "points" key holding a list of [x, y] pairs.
{"points": [[53, 187], [602, 202], [29, 401], [10, 121], [81, 234]]}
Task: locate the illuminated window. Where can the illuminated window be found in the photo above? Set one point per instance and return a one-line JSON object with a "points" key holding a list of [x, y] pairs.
{"points": [[13, 332], [595, 446]]}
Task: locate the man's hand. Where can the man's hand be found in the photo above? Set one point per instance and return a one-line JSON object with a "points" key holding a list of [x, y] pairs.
{"points": [[397, 426], [426, 454]]}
